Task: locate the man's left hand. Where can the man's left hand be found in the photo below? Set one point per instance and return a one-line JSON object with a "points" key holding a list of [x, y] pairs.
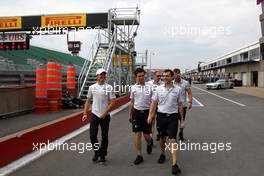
{"points": [[190, 105], [182, 125], [103, 115]]}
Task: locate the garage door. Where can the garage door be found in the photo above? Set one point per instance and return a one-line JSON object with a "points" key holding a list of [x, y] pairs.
{"points": [[244, 79]]}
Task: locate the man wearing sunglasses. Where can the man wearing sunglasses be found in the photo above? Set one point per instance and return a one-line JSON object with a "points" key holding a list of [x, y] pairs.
{"points": [[103, 98], [155, 83], [186, 90]]}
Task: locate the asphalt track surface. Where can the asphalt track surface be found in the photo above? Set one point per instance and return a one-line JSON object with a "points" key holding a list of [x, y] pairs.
{"points": [[218, 121]]}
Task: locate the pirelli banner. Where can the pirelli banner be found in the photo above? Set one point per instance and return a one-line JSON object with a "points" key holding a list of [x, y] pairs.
{"points": [[74, 20], [123, 59], [10, 23], [37, 23]]}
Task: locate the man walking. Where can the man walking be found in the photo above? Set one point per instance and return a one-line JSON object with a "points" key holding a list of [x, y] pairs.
{"points": [[103, 100], [138, 113], [155, 83], [168, 98], [186, 90]]}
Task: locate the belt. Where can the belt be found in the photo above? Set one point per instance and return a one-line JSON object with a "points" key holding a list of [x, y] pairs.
{"points": [[168, 114], [141, 111]]}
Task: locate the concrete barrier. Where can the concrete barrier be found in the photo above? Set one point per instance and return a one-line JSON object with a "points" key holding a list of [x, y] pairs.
{"points": [[16, 99]]}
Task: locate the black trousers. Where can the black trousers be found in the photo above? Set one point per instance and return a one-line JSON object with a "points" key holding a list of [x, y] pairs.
{"points": [[104, 124]]}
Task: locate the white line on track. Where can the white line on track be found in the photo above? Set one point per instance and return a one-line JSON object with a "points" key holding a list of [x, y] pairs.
{"points": [[232, 101], [200, 104], [15, 165]]}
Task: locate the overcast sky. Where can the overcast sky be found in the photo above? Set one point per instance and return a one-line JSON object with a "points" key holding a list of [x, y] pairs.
{"points": [[179, 33]]}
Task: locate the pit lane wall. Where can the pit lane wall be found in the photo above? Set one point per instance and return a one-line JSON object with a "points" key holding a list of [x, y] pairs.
{"points": [[16, 145]]}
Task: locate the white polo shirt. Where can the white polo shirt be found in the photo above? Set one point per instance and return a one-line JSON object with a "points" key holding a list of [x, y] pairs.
{"points": [[155, 85], [101, 94], [185, 86], [168, 99], [141, 96]]}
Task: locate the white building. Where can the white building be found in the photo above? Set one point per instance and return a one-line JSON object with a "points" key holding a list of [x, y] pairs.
{"points": [[244, 64]]}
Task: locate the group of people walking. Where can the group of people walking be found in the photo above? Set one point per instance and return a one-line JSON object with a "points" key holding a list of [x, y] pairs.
{"points": [[163, 103]]}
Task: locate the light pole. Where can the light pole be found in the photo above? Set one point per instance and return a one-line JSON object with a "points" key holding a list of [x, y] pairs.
{"points": [[150, 59], [261, 19]]}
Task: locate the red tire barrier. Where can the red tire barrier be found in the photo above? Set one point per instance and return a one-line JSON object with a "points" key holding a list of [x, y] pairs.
{"points": [[54, 86], [71, 82], [41, 94]]}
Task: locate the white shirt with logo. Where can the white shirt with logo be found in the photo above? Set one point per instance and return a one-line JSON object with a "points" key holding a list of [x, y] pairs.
{"points": [[141, 96], [185, 86], [101, 95], [155, 85], [168, 99]]}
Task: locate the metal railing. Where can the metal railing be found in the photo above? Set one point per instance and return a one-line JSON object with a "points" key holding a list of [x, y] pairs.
{"points": [[86, 75], [125, 13], [16, 67], [110, 51], [91, 56], [107, 61]]}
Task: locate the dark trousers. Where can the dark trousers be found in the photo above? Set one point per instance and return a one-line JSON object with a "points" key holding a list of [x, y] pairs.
{"points": [[104, 124]]}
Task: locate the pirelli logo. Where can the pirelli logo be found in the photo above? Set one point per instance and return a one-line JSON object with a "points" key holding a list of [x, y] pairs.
{"points": [[10, 23], [73, 20]]}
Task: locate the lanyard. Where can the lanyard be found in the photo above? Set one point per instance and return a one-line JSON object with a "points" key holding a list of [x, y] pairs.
{"points": [[167, 95]]}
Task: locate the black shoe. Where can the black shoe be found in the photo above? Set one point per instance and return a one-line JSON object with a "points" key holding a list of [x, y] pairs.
{"points": [[158, 137], [138, 160], [149, 148], [95, 158], [181, 136], [175, 169], [161, 159], [102, 159]]}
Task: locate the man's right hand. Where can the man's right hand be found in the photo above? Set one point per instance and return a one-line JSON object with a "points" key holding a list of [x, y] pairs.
{"points": [[84, 117], [130, 119], [149, 120]]}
